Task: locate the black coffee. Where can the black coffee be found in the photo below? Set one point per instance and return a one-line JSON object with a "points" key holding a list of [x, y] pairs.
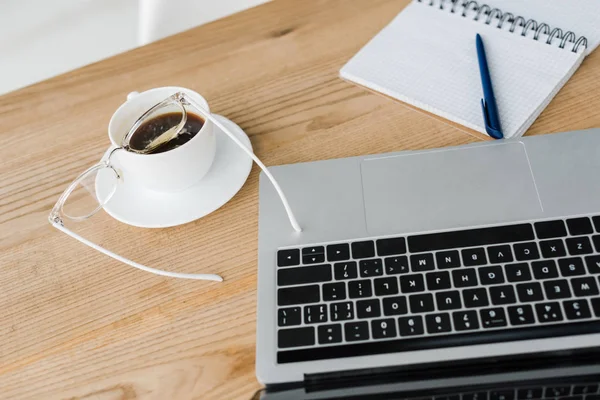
{"points": [[153, 128]]}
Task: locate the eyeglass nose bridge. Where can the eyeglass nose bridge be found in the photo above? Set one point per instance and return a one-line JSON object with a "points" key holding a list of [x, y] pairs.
{"points": [[178, 99]]}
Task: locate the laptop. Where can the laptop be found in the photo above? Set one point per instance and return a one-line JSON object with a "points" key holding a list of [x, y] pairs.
{"points": [[564, 380], [447, 257]]}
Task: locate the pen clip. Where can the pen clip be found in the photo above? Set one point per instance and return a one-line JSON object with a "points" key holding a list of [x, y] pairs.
{"points": [[495, 133]]}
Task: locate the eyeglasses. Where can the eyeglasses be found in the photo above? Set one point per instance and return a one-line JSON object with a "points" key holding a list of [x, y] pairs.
{"points": [[95, 187]]}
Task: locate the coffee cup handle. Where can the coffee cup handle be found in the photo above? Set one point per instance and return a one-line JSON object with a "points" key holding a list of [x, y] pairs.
{"points": [[131, 95]]}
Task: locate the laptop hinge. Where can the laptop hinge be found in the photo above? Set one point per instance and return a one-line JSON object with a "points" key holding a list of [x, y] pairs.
{"points": [[451, 369]]}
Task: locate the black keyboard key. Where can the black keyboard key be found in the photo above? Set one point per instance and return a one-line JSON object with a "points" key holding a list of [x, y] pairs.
{"points": [[396, 265], [412, 283], [438, 280], [579, 245], [310, 259], [470, 238], [585, 286], [596, 306], [308, 251], [580, 226], [557, 391], [518, 272], [449, 300], [363, 249], [438, 323], [342, 311], [395, 305], [447, 259], [530, 393], [296, 337], [596, 223], [472, 257], [383, 328], [360, 289], [508, 394], [420, 303], [330, 334], [500, 254], [338, 252], [368, 308], [491, 275], [553, 248], [298, 295], [315, 314], [411, 326], [354, 331], [475, 297], [593, 264], [557, 289], [585, 389], [571, 266], [493, 317], [287, 258], [422, 262], [549, 312], [577, 309], [544, 269], [596, 240], [345, 270], [466, 277], [334, 291], [475, 396], [529, 292], [521, 315], [289, 316], [526, 251], [386, 286], [390, 247], [501, 295], [550, 229], [369, 268], [302, 275], [465, 320]]}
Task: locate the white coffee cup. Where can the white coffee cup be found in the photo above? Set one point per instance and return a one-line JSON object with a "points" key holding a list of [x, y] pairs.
{"points": [[170, 171]]}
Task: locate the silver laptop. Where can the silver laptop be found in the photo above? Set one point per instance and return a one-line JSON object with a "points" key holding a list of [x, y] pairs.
{"points": [[437, 257]]}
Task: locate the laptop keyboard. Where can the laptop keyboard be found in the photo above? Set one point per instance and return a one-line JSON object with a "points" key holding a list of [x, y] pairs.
{"points": [[416, 292]]}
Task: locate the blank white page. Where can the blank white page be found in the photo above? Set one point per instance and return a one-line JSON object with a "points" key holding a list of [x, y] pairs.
{"points": [[427, 57]]}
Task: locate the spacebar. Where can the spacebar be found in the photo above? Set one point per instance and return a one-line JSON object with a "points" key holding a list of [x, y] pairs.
{"points": [[470, 237], [436, 342]]}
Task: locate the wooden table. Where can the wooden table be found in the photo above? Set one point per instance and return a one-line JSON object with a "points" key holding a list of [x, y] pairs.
{"points": [[75, 324]]}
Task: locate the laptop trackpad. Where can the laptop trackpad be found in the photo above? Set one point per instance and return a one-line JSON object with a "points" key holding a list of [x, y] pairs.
{"points": [[449, 188]]}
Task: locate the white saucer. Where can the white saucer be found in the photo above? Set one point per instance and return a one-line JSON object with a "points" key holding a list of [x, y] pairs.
{"points": [[135, 205]]}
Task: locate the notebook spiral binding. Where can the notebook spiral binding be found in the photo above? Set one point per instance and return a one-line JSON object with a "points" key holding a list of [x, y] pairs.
{"points": [[489, 13]]}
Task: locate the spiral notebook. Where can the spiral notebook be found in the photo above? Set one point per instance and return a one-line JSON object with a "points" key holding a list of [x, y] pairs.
{"points": [[426, 56]]}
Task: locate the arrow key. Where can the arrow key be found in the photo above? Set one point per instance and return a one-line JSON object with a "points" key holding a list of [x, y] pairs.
{"points": [[313, 258], [521, 315], [338, 252], [330, 334], [549, 312], [289, 257]]}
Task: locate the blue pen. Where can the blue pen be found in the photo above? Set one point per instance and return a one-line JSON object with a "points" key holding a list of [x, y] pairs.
{"points": [[488, 103]]}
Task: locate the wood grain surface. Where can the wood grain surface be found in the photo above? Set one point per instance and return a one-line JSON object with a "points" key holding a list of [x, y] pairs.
{"points": [[75, 324]]}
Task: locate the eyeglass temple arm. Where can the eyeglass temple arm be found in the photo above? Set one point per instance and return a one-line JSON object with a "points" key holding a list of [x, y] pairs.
{"points": [[282, 197], [207, 277]]}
